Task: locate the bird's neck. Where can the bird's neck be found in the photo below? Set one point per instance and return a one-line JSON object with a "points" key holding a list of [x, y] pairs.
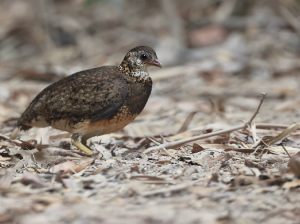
{"points": [[141, 75]]}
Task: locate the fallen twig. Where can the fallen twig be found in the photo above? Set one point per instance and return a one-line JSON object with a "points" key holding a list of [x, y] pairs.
{"points": [[195, 138], [258, 108], [286, 151], [162, 149], [285, 133], [253, 131], [268, 126], [191, 139]]}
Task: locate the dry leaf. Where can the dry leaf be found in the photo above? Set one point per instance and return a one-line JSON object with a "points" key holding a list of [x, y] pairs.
{"points": [[32, 179], [249, 163], [77, 168], [291, 184], [295, 165], [197, 148], [106, 154], [285, 133], [244, 180], [163, 162], [24, 153], [3, 159], [62, 166], [105, 165], [280, 149], [146, 178]]}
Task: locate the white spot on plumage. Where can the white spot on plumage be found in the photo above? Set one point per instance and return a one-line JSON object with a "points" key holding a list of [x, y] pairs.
{"points": [[141, 74]]}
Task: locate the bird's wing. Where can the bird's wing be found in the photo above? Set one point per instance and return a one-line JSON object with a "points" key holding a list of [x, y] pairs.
{"points": [[117, 94], [93, 94]]}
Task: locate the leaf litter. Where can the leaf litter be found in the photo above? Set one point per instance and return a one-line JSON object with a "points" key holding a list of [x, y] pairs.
{"points": [[202, 151]]}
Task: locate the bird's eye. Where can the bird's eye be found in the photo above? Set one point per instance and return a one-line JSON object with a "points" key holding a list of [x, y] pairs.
{"points": [[144, 57]]}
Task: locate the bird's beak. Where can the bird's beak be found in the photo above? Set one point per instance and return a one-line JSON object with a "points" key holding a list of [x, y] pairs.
{"points": [[156, 63]]}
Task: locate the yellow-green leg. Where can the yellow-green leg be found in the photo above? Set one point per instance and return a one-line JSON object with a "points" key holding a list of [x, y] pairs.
{"points": [[76, 140]]}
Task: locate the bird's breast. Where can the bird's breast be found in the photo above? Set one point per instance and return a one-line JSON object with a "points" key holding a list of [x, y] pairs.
{"points": [[138, 96]]}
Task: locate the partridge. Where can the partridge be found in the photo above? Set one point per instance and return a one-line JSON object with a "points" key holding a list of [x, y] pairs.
{"points": [[95, 102]]}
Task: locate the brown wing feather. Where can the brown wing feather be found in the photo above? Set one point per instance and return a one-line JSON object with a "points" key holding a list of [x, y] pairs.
{"points": [[92, 94]]}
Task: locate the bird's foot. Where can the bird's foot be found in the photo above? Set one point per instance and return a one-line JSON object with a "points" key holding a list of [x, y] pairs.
{"points": [[76, 141]]}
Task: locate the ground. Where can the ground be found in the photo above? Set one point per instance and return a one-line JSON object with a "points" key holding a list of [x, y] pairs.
{"points": [[168, 166]]}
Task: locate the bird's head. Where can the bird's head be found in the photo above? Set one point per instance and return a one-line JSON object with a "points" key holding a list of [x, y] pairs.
{"points": [[139, 59]]}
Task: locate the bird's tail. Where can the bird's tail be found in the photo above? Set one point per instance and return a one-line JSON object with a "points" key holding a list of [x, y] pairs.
{"points": [[15, 133], [21, 125]]}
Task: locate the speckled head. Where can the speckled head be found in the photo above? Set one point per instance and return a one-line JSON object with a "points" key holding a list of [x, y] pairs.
{"points": [[138, 60]]}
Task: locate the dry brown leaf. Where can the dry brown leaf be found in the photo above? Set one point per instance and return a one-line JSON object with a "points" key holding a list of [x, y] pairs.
{"points": [[38, 170], [249, 163], [24, 153], [32, 179], [105, 165], [77, 168], [163, 162], [291, 184], [3, 159], [244, 180], [62, 166], [144, 177], [285, 133], [24, 145], [295, 165], [197, 148], [280, 149]]}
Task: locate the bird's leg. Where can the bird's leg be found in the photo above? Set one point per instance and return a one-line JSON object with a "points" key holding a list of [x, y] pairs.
{"points": [[87, 136], [76, 140]]}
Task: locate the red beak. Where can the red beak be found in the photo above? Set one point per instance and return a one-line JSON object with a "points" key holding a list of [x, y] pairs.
{"points": [[156, 63]]}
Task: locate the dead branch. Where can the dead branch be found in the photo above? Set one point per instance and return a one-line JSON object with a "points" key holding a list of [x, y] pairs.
{"points": [[191, 139], [195, 138], [258, 108], [285, 133], [271, 126], [286, 151], [162, 149]]}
